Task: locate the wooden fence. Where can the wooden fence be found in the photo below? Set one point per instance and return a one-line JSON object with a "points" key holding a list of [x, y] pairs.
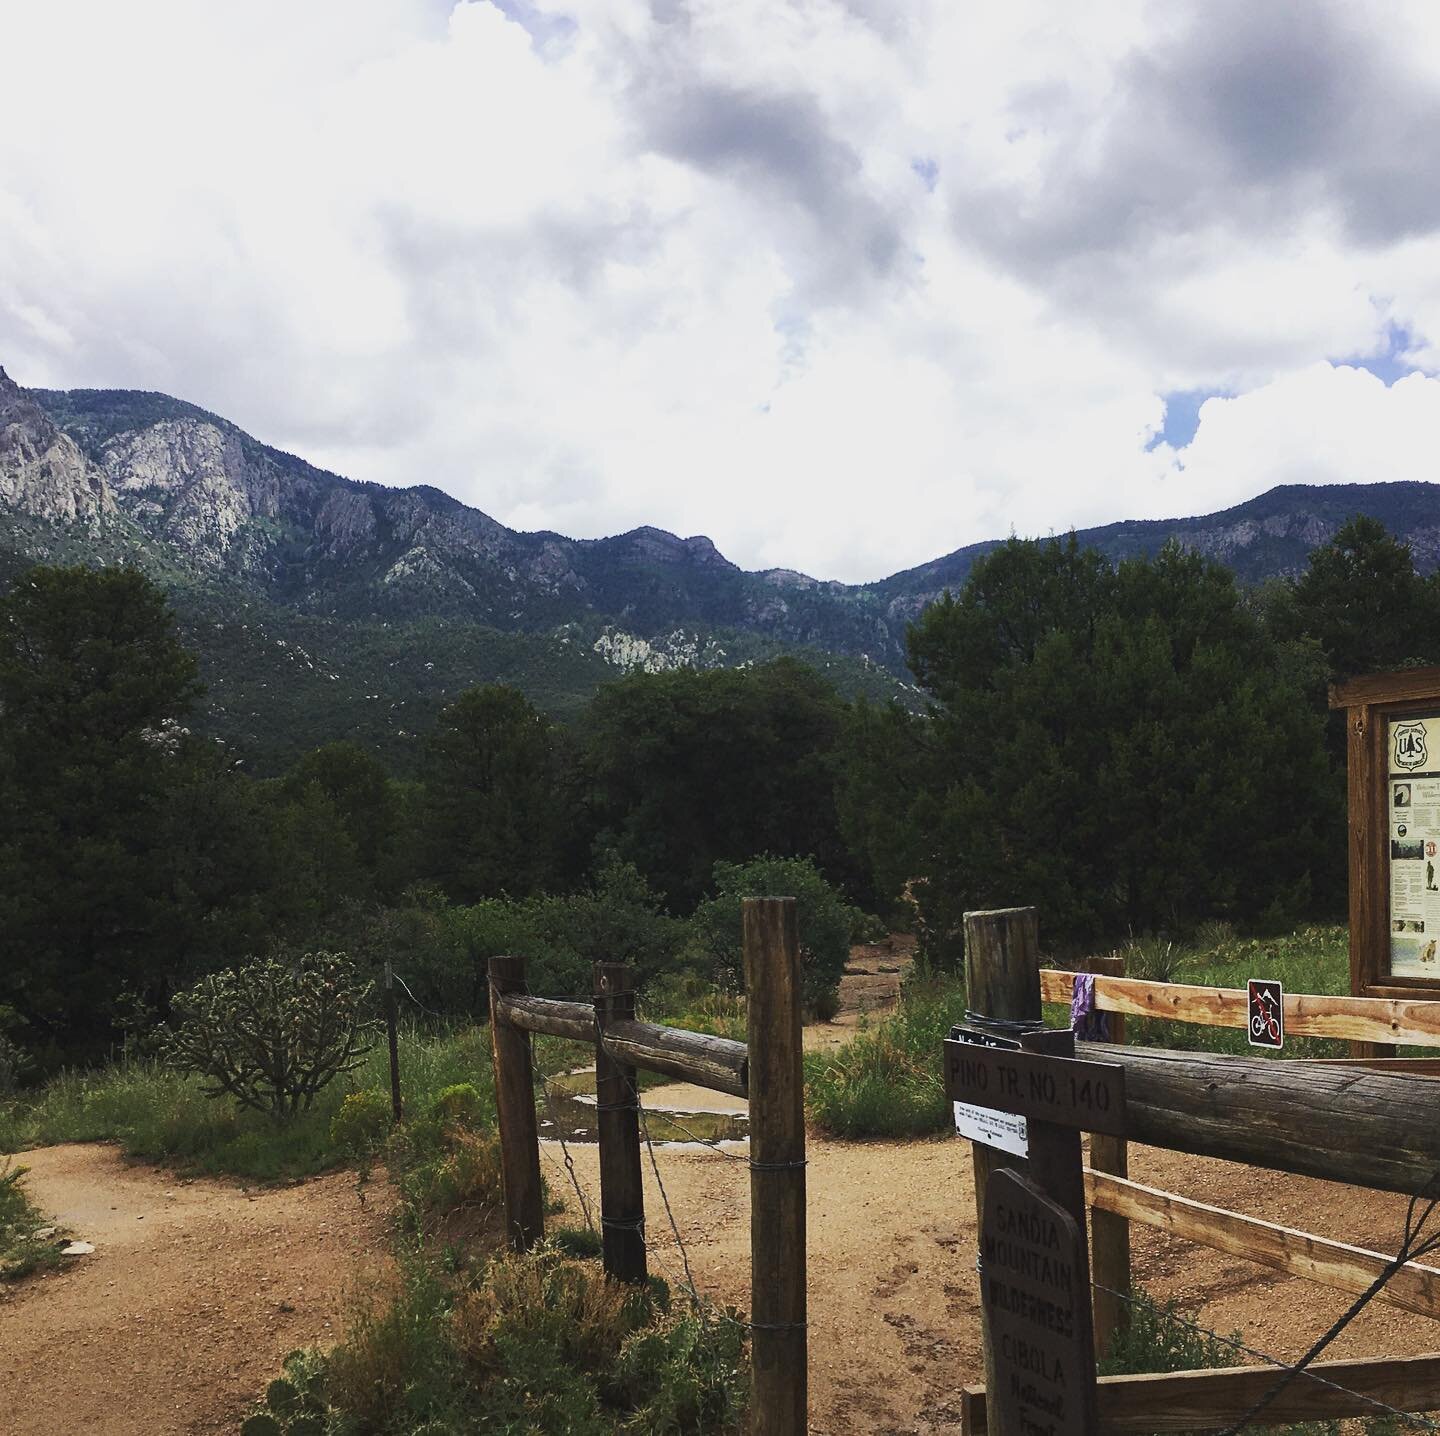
{"points": [[1368, 1122], [766, 1070]]}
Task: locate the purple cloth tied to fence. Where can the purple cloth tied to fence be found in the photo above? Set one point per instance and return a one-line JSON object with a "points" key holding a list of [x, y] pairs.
{"points": [[1088, 1024]]}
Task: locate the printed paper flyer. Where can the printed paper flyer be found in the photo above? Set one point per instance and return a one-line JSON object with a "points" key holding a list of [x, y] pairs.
{"points": [[1413, 802]]}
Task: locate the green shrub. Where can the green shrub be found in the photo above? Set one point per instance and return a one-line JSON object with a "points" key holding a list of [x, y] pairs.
{"points": [[362, 1124], [461, 1103], [823, 916], [273, 1034], [21, 1252], [887, 1081], [538, 1345], [579, 1242]]}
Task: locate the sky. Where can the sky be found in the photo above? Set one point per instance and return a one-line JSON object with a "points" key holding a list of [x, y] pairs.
{"points": [[842, 284]]}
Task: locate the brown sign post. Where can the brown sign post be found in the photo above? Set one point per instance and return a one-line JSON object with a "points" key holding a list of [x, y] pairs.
{"points": [[1035, 1292], [1034, 1258]]}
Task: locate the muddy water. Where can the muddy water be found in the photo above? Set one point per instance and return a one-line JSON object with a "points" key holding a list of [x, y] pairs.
{"points": [[568, 1111]]}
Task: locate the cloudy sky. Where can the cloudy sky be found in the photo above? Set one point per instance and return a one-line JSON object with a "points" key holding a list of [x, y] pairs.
{"points": [[843, 284]]}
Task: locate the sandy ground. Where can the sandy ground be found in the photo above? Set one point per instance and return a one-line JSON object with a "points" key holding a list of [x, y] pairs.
{"points": [[195, 1293], [198, 1289]]}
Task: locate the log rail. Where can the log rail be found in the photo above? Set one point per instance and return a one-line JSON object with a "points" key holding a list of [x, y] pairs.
{"points": [[719, 1063]]}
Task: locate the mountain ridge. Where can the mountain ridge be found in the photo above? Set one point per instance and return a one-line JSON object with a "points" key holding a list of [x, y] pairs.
{"points": [[319, 561]]}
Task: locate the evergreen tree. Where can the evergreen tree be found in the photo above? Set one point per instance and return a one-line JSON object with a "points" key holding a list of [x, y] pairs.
{"points": [[94, 899], [1127, 749], [495, 813]]}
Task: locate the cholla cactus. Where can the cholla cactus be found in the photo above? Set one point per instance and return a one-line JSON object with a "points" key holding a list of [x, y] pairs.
{"points": [[272, 1034]]}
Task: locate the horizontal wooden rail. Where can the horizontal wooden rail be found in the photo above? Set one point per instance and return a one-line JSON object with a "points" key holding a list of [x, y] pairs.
{"points": [[548, 1016], [1210, 1400], [715, 1062], [1356, 1019], [1371, 1129], [1335, 1264]]}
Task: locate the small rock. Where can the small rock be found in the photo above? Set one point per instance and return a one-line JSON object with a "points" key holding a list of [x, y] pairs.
{"points": [[78, 1249], [42, 1234], [284, 1306]]}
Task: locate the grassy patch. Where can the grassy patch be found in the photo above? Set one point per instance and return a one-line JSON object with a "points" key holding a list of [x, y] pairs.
{"points": [[1164, 1338], [160, 1115], [1312, 959], [532, 1344], [887, 1081], [21, 1252]]}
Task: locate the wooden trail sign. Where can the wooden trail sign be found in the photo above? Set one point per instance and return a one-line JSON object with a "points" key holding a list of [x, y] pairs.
{"points": [[1060, 1090], [1035, 1294]]}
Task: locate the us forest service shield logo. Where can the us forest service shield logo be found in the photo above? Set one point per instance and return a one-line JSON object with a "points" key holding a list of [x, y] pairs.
{"points": [[1409, 744]]}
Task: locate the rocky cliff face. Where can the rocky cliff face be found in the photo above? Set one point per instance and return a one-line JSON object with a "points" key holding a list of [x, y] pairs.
{"points": [[215, 501], [43, 473]]}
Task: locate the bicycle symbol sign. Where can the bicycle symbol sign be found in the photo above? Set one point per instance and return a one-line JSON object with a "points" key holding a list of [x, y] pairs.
{"points": [[1267, 1012]]}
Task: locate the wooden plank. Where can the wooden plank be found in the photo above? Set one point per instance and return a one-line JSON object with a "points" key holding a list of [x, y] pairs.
{"points": [[1371, 1129], [779, 1397], [1371, 1019], [1405, 685], [617, 1122], [1210, 1400], [546, 1015], [1335, 1264], [515, 1110]]}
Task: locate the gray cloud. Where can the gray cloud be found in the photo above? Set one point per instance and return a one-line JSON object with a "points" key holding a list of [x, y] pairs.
{"points": [[1251, 117], [778, 148]]}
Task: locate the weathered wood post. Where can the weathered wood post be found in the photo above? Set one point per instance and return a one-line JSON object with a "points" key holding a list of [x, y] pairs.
{"points": [[515, 1109], [1109, 1232], [391, 1032], [617, 1107], [778, 1355], [1002, 982]]}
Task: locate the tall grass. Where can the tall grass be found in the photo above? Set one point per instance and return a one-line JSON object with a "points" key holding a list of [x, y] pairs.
{"points": [[21, 1251], [159, 1115], [886, 1082]]}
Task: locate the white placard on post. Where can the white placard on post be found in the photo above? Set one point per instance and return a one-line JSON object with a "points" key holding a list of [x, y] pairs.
{"points": [[1006, 1130]]}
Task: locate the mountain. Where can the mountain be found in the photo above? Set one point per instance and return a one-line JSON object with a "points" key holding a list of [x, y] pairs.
{"points": [[323, 606]]}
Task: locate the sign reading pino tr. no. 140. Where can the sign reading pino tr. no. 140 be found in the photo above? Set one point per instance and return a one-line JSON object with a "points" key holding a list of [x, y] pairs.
{"points": [[1063, 1090]]}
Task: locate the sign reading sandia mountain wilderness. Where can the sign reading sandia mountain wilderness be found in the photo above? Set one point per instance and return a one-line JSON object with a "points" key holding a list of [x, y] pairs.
{"points": [[1035, 1291], [1412, 802]]}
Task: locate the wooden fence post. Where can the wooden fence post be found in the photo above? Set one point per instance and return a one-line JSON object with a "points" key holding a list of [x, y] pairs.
{"points": [[778, 1348], [1002, 981], [622, 1198], [515, 1108], [1109, 1233], [392, 1034]]}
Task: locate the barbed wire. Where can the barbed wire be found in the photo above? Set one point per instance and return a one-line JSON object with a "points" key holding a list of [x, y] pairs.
{"points": [[427, 1010]]}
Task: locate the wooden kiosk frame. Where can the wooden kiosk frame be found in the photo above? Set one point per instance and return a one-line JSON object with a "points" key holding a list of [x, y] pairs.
{"points": [[1370, 703]]}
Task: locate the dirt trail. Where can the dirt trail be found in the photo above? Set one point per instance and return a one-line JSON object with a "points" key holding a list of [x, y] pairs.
{"points": [[197, 1290], [194, 1294]]}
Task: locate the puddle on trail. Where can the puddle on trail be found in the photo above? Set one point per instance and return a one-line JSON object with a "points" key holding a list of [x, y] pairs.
{"points": [[568, 1111]]}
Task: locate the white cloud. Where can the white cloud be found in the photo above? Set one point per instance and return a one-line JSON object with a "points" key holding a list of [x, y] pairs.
{"points": [[842, 285], [1324, 424]]}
